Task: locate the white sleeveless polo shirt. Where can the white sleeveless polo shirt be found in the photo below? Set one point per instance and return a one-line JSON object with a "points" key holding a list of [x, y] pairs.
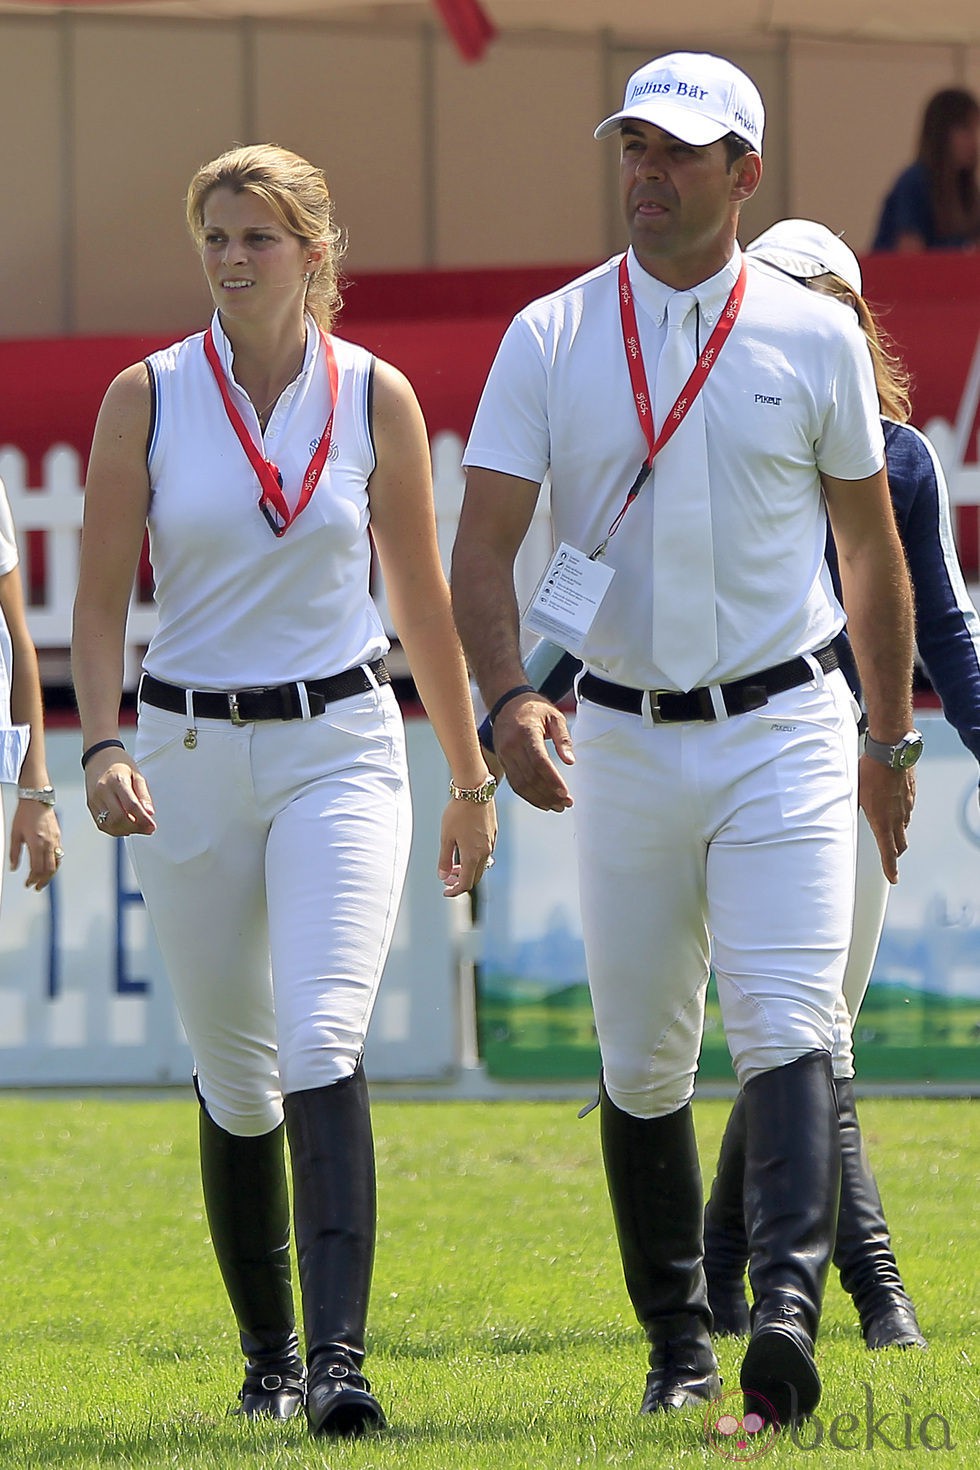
{"points": [[239, 606]]}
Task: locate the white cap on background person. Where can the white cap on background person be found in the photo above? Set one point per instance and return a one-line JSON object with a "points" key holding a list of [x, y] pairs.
{"points": [[693, 96], [804, 248]]}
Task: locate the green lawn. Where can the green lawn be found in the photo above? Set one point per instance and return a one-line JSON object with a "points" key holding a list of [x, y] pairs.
{"points": [[501, 1337]]}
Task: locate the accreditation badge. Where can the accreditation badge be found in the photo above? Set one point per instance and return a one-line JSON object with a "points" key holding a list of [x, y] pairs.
{"points": [[567, 598]]}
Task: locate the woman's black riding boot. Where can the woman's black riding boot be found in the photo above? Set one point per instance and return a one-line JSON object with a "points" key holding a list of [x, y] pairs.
{"points": [[332, 1151], [655, 1187], [864, 1256], [726, 1246], [792, 1186], [247, 1204]]}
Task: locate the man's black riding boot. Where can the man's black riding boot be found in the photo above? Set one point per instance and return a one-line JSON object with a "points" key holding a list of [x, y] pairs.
{"points": [[864, 1257], [726, 1246], [792, 1186], [332, 1151], [655, 1188], [247, 1204]]}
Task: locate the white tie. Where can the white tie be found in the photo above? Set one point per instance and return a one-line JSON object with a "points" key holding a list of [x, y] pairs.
{"points": [[685, 636]]}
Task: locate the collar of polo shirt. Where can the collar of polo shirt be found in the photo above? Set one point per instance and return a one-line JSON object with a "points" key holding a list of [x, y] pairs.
{"points": [[711, 294]]}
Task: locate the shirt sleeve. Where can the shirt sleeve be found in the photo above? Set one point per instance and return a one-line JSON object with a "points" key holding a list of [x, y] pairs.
{"points": [[510, 431], [851, 444], [946, 623], [9, 556]]}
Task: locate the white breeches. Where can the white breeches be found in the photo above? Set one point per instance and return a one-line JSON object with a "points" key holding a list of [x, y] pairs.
{"points": [[870, 902], [744, 829], [273, 883]]}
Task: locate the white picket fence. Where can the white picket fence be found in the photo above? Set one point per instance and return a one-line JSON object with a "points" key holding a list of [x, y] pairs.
{"points": [[53, 509]]}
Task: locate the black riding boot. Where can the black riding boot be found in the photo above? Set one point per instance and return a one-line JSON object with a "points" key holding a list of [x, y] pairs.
{"points": [[864, 1257], [792, 1187], [655, 1188], [247, 1206], [332, 1150], [726, 1246]]}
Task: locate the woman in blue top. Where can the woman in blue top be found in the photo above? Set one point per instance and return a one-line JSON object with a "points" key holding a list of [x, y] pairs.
{"points": [[934, 204], [948, 640]]}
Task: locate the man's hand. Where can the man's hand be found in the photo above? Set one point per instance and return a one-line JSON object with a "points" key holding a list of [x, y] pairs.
{"points": [[520, 736], [887, 797]]}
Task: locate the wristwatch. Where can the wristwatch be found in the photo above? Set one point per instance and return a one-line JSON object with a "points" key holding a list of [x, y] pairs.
{"points": [[481, 794], [900, 756]]}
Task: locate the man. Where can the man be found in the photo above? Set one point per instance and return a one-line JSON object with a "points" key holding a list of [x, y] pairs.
{"points": [[716, 771]]}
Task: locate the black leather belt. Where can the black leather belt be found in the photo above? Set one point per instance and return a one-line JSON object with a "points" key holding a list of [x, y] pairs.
{"points": [[740, 696], [279, 702]]}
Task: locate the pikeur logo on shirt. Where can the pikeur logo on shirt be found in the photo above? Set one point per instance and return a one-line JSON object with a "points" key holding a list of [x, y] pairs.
{"points": [[768, 398]]}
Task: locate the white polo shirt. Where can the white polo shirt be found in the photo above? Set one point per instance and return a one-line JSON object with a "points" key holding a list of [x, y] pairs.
{"points": [[9, 558], [791, 394], [240, 607]]}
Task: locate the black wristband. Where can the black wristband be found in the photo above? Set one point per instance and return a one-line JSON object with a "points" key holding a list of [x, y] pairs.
{"points": [[505, 698], [99, 745]]}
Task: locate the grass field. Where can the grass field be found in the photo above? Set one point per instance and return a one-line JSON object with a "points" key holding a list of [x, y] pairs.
{"points": [[501, 1337]]}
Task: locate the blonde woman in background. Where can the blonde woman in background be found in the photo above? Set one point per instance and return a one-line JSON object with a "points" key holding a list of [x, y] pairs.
{"points": [[948, 639]]}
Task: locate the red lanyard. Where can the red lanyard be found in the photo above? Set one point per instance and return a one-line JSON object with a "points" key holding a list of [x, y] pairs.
{"points": [[641, 391], [272, 502]]}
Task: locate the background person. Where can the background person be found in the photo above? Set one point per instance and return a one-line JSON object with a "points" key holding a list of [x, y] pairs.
{"points": [[948, 638], [934, 204], [714, 799], [34, 826], [272, 851]]}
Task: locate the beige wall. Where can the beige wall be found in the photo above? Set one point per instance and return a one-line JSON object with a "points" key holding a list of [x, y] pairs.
{"points": [[432, 162]]}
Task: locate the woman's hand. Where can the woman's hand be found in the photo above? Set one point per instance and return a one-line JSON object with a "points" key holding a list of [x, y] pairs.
{"points": [[117, 796], [469, 831], [35, 827]]}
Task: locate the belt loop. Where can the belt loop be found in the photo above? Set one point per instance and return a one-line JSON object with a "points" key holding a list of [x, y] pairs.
{"points": [[371, 677], [303, 694], [816, 668], [139, 689], [190, 735], [717, 701], [646, 709]]}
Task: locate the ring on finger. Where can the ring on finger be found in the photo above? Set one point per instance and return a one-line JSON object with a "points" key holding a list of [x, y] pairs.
{"points": [[101, 818], [59, 853]]}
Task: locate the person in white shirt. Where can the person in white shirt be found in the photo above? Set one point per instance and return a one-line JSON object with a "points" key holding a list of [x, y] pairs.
{"points": [[34, 826], [714, 772], [267, 456]]}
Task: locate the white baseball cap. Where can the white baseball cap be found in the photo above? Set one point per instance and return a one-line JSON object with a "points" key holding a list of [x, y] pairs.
{"points": [[693, 96], [802, 247]]}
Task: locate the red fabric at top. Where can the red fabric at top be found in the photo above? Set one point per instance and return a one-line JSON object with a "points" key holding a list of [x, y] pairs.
{"points": [[469, 25]]}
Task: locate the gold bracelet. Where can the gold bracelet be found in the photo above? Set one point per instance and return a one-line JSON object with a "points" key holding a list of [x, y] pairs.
{"points": [[481, 794]]}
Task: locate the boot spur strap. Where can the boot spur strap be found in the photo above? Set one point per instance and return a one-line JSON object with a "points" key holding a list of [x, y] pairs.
{"points": [[273, 1383]]}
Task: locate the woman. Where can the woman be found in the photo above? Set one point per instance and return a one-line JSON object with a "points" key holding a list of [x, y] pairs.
{"points": [[267, 456], [948, 639], [22, 758], [935, 203]]}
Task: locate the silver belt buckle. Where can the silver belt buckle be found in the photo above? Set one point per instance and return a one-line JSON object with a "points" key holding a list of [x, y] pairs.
{"points": [[653, 695], [236, 718]]}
